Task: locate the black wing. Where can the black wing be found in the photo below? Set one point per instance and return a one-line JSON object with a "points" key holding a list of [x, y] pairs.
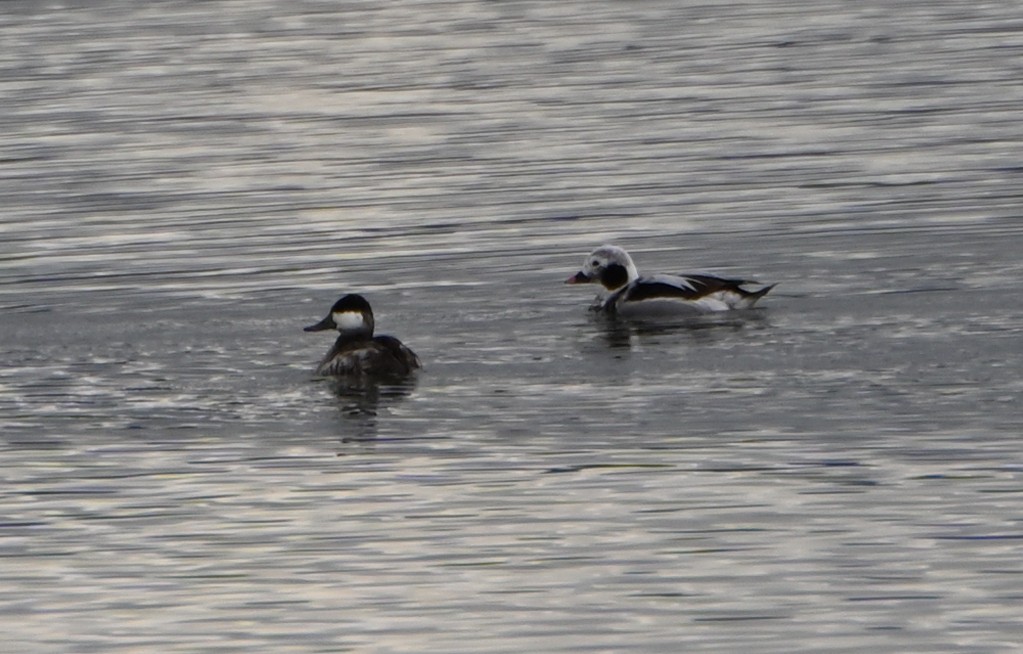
{"points": [[399, 360]]}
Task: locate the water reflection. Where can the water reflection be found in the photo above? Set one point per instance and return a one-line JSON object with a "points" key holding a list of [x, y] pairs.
{"points": [[360, 401], [627, 333]]}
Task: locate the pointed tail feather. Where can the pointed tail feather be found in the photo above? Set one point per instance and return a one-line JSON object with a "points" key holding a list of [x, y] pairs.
{"points": [[749, 298]]}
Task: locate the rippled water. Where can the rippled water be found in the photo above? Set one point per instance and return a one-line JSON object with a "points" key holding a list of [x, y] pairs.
{"points": [[188, 184]]}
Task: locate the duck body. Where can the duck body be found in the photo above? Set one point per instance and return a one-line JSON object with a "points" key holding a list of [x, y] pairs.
{"points": [[627, 292], [381, 356], [357, 353]]}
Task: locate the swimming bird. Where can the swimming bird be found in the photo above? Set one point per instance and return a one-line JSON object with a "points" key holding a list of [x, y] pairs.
{"points": [[357, 352], [628, 291]]}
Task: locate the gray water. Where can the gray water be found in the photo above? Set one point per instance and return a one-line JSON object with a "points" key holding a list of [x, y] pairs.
{"points": [[187, 184]]}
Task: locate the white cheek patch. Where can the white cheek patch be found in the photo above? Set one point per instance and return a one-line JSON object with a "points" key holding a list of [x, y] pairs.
{"points": [[349, 320]]}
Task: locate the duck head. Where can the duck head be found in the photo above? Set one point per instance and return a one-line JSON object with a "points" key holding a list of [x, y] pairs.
{"points": [[351, 316], [608, 265]]}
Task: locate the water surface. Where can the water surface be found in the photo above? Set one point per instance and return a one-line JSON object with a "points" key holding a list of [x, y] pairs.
{"points": [[186, 185]]}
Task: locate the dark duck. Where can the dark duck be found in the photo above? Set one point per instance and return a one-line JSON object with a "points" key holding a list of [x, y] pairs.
{"points": [[357, 352]]}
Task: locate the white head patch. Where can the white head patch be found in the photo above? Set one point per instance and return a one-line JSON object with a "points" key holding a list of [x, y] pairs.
{"points": [[347, 321]]}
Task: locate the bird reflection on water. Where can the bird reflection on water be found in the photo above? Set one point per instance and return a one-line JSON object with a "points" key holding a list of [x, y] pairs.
{"points": [[360, 401], [626, 333]]}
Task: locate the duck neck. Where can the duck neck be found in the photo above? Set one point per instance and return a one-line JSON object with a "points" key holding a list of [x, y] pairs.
{"points": [[615, 276], [354, 336]]}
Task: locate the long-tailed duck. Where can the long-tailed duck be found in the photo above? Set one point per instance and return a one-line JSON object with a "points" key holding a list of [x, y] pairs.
{"points": [[356, 352], [626, 289]]}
